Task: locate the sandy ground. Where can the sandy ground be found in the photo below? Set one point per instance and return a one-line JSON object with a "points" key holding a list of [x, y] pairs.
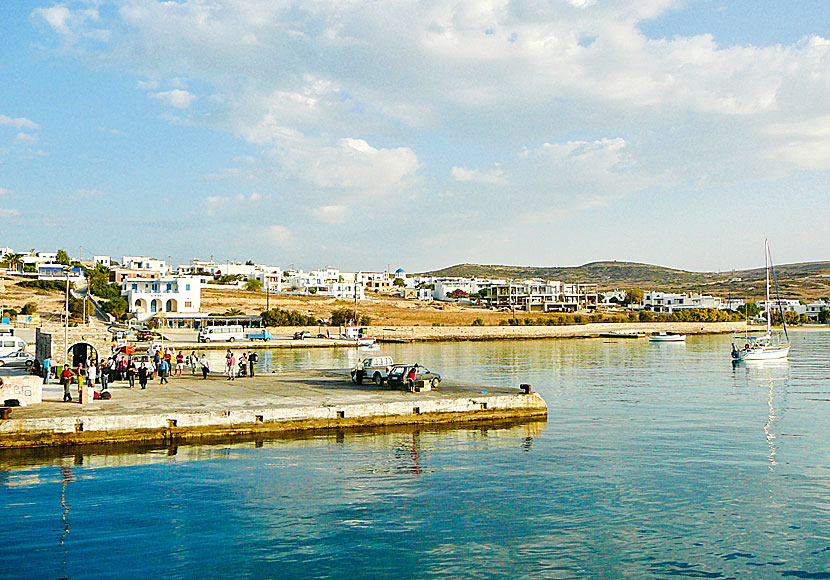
{"points": [[49, 303]]}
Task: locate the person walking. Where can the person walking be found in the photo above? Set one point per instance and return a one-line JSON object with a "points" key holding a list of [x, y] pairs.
{"points": [[253, 358], [47, 369], [130, 373], [203, 362], [66, 380], [142, 375], [194, 362], [231, 367], [164, 368]]}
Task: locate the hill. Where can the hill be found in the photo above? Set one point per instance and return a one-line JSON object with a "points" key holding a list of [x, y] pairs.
{"points": [[809, 280]]}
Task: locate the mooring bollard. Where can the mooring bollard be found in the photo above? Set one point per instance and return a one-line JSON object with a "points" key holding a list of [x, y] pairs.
{"points": [[525, 388]]}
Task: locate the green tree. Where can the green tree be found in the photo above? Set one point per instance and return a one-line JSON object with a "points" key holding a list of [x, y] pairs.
{"points": [[280, 317], [633, 296], [253, 285], [233, 312], [117, 307], [478, 322], [398, 282], [13, 261], [63, 258], [341, 316], [28, 308], [749, 309], [824, 316]]}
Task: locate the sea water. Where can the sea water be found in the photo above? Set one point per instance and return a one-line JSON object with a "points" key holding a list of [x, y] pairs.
{"points": [[656, 461]]}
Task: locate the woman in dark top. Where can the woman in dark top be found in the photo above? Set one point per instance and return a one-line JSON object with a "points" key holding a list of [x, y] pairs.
{"points": [[131, 373], [142, 375]]}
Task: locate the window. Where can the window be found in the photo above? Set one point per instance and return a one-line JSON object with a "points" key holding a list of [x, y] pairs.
{"points": [[135, 287], [169, 287], [187, 287], [188, 304]]}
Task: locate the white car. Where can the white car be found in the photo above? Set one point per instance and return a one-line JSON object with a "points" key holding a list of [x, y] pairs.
{"points": [[20, 358]]}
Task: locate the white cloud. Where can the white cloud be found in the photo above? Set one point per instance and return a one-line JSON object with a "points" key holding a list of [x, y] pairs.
{"points": [[176, 98], [57, 17], [147, 85], [279, 235], [7, 212], [226, 205], [4, 191], [495, 175], [331, 214], [25, 138], [19, 123]]}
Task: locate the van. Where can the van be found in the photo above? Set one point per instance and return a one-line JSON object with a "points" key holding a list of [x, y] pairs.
{"points": [[10, 343], [221, 333]]}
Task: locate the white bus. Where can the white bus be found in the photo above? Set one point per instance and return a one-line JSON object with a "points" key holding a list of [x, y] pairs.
{"points": [[221, 333], [10, 343]]}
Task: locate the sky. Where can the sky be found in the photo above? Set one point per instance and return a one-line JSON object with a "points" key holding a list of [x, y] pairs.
{"points": [[383, 134]]}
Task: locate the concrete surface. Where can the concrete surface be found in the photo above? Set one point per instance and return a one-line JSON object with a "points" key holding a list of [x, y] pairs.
{"points": [[189, 408]]}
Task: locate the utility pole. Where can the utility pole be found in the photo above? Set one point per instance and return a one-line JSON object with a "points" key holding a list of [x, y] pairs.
{"points": [[66, 324]]}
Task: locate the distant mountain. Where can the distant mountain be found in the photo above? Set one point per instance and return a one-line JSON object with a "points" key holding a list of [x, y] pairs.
{"points": [[808, 280]]}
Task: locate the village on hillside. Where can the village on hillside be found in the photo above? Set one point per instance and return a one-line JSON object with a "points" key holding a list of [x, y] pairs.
{"points": [[151, 291]]}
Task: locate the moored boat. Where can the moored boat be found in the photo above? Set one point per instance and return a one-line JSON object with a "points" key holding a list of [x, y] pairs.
{"points": [[767, 346], [667, 337]]}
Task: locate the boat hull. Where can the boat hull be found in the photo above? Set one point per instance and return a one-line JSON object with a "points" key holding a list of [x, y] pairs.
{"points": [[668, 338], [765, 353]]}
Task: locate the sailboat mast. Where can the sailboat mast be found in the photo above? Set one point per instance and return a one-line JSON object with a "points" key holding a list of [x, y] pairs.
{"points": [[766, 267]]}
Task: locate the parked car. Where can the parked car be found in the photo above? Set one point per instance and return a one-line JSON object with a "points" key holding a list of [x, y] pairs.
{"points": [[401, 376], [302, 334], [144, 335], [374, 367], [20, 358]]}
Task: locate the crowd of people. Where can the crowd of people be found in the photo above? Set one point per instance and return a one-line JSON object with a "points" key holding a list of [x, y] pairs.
{"points": [[157, 363]]}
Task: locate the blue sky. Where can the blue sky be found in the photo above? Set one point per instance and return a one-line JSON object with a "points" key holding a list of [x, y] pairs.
{"points": [[418, 135]]}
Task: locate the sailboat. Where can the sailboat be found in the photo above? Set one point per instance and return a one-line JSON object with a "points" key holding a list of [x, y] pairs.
{"points": [[767, 346]]}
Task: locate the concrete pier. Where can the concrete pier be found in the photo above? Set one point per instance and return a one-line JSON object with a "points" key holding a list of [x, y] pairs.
{"points": [[189, 408]]}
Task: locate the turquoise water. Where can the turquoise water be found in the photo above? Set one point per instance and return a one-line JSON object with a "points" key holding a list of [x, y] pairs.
{"points": [[657, 461]]}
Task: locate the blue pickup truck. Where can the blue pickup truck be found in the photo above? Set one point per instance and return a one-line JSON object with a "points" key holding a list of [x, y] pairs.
{"points": [[262, 335]]}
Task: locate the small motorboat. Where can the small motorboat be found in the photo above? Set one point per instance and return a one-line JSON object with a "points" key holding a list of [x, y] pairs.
{"points": [[667, 337]]}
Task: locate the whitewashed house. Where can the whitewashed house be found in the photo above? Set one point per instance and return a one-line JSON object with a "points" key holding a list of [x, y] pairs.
{"points": [[667, 302], [146, 264], [148, 298]]}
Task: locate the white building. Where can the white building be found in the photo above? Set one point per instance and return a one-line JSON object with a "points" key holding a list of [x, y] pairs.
{"points": [[5, 252], [815, 308], [105, 261], [786, 305], [145, 263], [221, 268], [669, 302], [147, 298], [51, 272]]}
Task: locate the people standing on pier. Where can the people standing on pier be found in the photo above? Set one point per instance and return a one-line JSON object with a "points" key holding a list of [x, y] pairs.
{"points": [[179, 363], [66, 380], [105, 374], [203, 362], [253, 357], [164, 368], [231, 366], [92, 374], [194, 362], [142, 375], [130, 372], [47, 369], [242, 365]]}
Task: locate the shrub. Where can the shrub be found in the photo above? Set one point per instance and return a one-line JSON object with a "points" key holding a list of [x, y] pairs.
{"points": [[29, 308], [280, 317], [478, 322]]}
